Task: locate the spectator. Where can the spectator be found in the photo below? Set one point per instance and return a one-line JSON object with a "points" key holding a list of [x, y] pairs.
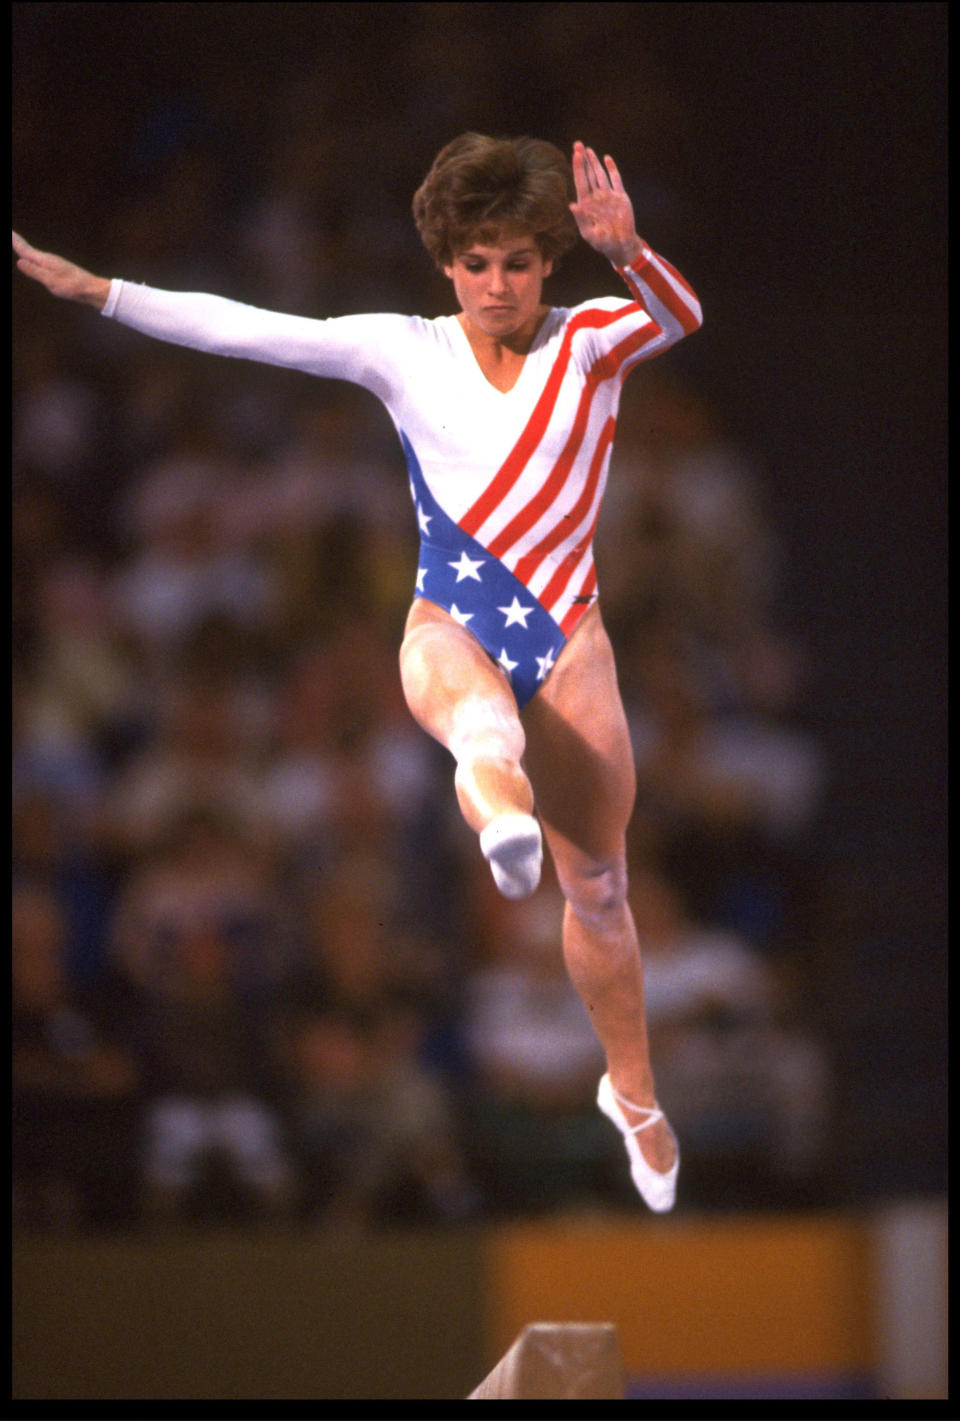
{"points": [[538, 1142], [198, 758], [341, 754], [50, 852], [47, 759], [87, 690], [183, 571], [690, 533], [356, 952], [726, 800], [198, 957], [373, 1132], [739, 1070], [74, 1086]]}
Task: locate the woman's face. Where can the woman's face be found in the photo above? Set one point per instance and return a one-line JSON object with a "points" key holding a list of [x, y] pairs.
{"points": [[499, 287]]}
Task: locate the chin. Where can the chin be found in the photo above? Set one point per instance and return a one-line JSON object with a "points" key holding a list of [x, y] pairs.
{"points": [[501, 321]]}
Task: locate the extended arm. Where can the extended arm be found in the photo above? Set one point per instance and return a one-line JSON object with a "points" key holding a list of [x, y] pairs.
{"points": [[368, 350]]}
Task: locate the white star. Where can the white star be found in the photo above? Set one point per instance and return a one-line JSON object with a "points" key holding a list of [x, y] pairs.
{"points": [[421, 574], [516, 614], [545, 664], [467, 567], [462, 618], [504, 661], [423, 519]]}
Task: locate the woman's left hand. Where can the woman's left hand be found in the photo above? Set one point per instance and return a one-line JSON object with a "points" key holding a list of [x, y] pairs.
{"points": [[603, 212]]}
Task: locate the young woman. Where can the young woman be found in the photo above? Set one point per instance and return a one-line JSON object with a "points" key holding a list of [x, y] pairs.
{"points": [[506, 412]]}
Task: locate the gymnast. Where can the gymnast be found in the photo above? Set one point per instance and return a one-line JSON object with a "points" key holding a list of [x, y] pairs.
{"points": [[506, 413]]}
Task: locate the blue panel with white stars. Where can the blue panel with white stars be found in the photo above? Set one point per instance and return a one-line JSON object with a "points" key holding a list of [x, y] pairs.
{"points": [[466, 580]]}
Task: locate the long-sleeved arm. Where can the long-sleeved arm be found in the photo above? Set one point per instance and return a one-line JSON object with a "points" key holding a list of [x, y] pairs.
{"points": [[665, 295], [664, 309], [350, 348]]}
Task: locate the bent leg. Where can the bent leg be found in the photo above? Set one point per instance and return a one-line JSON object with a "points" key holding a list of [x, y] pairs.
{"points": [[457, 694], [580, 761]]}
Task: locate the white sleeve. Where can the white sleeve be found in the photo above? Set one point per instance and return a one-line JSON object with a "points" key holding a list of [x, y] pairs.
{"points": [[365, 349]]}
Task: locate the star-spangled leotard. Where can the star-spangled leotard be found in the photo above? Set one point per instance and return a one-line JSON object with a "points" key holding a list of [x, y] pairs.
{"points": [[507, 486]]}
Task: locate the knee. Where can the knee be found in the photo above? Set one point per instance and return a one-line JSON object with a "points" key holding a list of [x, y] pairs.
{"points": [[482, 728], [596, 890]]}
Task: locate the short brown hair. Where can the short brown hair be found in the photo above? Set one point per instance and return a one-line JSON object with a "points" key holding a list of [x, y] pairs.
{"points": [[478, 187]]}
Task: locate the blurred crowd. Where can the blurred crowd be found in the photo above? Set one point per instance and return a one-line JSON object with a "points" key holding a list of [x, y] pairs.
{"points": [[260, 972]]}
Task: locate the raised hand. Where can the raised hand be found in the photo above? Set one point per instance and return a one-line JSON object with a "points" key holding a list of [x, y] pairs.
{"points": [[61, 277], [603, 212]]}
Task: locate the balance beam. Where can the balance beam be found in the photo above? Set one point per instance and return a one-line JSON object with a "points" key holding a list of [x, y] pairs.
{"points": [[557, 1361]]}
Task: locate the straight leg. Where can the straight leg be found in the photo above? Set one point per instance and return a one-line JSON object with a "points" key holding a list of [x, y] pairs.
{"points": [[580, 761]]}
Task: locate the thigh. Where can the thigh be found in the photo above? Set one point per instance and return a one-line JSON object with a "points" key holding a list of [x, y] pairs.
{"points": [[448, 678], [578, 752]]}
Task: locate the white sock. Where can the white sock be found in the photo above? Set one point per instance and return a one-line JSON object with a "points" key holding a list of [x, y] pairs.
{"points": [[513, 846]]}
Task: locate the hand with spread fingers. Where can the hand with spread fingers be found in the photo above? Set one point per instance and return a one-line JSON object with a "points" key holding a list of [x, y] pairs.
{"points": [[603, 212]]}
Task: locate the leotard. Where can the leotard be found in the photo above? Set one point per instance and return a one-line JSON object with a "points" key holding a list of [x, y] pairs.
{"points": [[507, 487]]}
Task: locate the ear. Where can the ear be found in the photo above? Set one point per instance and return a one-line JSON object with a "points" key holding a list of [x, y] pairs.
{"points": [[547, 267]]}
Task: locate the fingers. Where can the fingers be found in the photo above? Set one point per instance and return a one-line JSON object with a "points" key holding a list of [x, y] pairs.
{"points": [[616, 182], [23, 249], [29, 260], [580, 180], [597, 175], [588, 169], [590, 175]]}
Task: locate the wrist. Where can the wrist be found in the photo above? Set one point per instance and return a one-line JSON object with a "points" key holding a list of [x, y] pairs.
{"points": [[630, 253], [95, 292]]}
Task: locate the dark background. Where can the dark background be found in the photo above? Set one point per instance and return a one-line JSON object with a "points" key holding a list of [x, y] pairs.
{"points": [[790, 158]]}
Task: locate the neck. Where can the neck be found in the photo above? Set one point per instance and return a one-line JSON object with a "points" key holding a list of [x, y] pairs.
{"points": [[498, 347]]}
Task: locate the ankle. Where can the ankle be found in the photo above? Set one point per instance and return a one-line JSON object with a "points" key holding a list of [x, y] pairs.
{"points": [[633, 1090]]}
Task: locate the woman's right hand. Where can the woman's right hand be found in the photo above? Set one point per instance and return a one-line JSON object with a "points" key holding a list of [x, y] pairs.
{"points": [[60, 277]]}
